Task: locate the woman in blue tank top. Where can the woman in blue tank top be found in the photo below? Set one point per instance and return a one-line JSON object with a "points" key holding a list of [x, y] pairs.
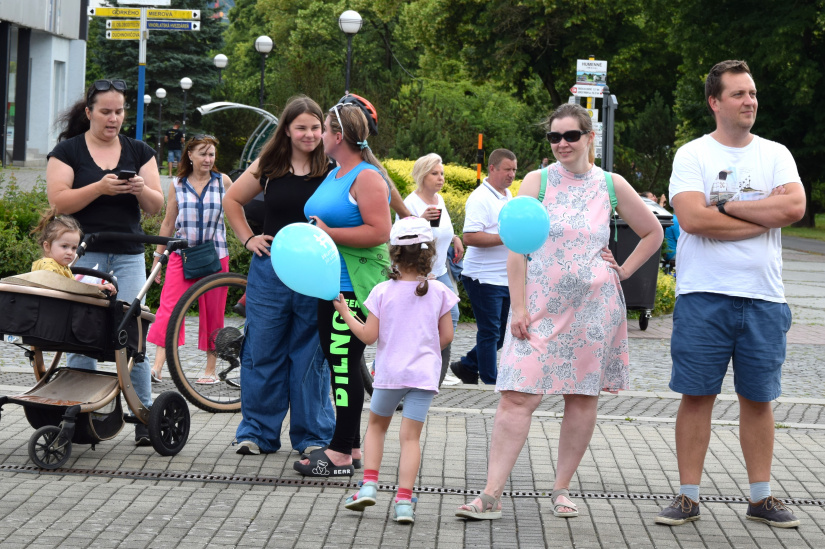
{"points": [[352, 206]]}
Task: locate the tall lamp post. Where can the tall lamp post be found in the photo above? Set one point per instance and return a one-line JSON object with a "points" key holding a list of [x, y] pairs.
{"points": [[220, 61], [147, 99], [160, 93], [185, 83], [263, 44], [350, 23]]}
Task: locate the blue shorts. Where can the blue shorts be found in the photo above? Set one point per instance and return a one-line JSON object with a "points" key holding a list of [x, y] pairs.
{"points": [[173, 156], [416, 402], [711, 329]]}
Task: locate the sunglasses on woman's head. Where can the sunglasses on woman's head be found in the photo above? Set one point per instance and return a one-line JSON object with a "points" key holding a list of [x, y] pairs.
{"points": [[571, 137], [335, 110], [106, 85]]}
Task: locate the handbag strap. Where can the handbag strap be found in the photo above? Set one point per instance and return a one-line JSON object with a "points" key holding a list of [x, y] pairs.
{"points": [[220, 207]]}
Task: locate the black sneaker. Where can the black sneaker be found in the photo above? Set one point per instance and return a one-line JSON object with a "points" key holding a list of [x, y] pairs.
{"points": [[240, 309], [772, 512], [463, 373], [142, 435], [682, 510]]}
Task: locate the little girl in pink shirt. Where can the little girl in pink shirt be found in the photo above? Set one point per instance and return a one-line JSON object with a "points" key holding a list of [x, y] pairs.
{"points": [[410, 319]]}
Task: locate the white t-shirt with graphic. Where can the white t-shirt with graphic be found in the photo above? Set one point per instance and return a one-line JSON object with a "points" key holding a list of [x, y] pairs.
{"points": [[745, 268]]}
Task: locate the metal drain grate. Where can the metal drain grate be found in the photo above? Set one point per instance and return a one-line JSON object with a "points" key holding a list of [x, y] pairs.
{"points": [[323, 483]]}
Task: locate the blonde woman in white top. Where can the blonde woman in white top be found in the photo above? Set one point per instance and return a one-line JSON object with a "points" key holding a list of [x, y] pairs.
{"points": [[425, 202]]}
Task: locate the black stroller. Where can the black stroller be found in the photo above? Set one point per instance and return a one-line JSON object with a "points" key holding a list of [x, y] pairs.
{"points": [[44, 311]]}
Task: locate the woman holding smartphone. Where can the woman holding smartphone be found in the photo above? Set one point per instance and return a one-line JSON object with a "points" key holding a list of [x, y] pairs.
{"points": [[82, 180]]}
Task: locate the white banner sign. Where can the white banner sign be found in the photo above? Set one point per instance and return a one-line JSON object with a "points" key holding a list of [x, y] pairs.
{"points": [[591, 72]]}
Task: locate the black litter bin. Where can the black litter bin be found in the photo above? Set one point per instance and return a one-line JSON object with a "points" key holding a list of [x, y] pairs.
{"points": [[640, 289]]}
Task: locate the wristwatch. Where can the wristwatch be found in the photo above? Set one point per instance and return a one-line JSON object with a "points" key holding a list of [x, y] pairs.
{"points": [[721, 207]]}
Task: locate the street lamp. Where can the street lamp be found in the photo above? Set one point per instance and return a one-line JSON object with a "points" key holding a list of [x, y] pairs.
{"points": [[185, 83], [147, 99], [350, 23], [263, 44], [220, 61], [160, 93]]}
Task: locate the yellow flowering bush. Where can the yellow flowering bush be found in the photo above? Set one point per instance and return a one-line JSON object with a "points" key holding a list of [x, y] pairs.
{"points": [[665, 294]]}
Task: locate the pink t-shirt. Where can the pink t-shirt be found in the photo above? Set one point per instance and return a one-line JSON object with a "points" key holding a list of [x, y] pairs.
{"points": [[408, 353]]}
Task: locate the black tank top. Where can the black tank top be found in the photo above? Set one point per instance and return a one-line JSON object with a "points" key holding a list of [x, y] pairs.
{"points": [[284, 199]]}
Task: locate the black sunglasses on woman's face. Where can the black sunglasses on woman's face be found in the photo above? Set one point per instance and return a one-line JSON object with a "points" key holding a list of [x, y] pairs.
{"points": [[571, 137]]}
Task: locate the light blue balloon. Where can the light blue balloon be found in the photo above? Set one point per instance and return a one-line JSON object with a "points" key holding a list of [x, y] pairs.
{"points": [[306, 259], [523, 224]]}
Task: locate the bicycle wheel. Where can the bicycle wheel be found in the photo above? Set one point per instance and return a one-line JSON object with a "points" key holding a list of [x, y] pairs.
{"points": [[188, 363], [366, 376]]}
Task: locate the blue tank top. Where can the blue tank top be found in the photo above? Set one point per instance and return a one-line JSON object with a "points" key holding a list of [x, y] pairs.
{"points": [[331, 203]]}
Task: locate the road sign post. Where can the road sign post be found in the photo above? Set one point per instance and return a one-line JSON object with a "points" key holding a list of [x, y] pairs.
{"points": [[609, 106], [149, 18]]}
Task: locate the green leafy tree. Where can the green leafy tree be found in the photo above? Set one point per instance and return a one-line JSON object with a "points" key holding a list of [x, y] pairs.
{"points": [[651, 135]]}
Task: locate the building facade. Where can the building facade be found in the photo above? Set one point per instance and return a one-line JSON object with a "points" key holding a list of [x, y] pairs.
{"points": [[42, 72]]}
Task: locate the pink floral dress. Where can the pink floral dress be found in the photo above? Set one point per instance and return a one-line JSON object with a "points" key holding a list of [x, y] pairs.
{"points": [[577, 336]]}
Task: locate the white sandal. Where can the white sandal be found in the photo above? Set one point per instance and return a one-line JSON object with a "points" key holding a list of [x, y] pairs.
{"points": [[554, 497], [489, 509]]}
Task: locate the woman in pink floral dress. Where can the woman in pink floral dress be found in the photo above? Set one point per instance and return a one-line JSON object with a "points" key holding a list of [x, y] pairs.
{"points": [[568, 333]]}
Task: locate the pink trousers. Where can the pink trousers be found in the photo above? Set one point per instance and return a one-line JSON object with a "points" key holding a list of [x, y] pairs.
{"points": [[211, 306]]}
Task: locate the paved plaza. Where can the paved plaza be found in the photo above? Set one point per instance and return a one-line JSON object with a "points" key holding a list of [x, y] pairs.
{"points": [[208, 496]]}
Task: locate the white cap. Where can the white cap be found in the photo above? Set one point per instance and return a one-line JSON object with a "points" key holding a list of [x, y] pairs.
{"points": [[411, 230]]}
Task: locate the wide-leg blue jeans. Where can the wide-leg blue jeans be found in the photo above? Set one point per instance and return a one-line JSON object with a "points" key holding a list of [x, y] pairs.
{"points": [[282, 366]]}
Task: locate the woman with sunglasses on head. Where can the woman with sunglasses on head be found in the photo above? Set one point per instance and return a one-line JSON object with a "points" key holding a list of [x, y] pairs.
{"points": [[568, 329], [82, 180], [282, 365], [352, 205], [194, 213]]}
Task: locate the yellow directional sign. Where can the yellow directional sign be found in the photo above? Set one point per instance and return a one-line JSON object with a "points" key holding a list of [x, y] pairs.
{"points": [[123, 34], [134, 24], [123, 24], [150, 13]]}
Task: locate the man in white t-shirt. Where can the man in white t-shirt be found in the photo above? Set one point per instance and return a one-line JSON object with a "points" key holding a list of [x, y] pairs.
{"points": [[485, 269], [732, 192]]}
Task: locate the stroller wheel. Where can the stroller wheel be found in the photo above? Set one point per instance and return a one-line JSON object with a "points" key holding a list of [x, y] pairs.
{"points": [[47, 449], [169, 423]]}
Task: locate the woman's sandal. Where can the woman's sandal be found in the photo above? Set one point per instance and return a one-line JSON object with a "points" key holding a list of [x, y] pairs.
{"points": [[321, 466], [363, 498], [490, 509], [554, 497]]}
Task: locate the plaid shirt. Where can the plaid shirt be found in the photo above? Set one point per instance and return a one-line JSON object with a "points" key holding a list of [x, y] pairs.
{"points": [[205, 208]]}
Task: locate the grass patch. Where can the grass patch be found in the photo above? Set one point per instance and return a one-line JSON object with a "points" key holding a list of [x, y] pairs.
{"points": [[816, 233]]}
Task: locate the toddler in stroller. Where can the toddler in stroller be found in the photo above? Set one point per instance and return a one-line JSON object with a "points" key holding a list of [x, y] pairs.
{"points": [[51, 312]]}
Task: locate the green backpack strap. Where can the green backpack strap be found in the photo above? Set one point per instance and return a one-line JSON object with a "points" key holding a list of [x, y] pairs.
{"points": [[608, 178], [543, 184]]}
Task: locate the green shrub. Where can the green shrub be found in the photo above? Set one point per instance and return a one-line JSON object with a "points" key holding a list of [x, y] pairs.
{"points": [[20, 212]]}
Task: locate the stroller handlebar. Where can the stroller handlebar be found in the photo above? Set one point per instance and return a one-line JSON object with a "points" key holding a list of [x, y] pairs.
{"points": [[173, 243]]}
